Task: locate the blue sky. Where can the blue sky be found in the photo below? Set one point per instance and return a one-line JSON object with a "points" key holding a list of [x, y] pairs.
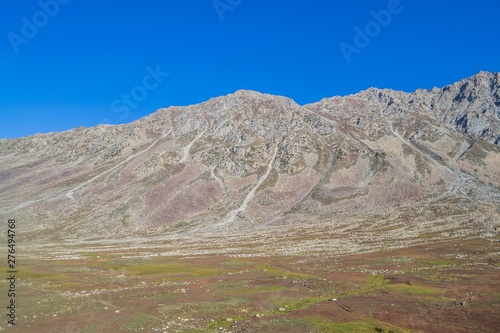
{"points": [[71, 63]]}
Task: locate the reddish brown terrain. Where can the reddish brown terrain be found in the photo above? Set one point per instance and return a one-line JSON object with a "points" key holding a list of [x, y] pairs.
{"points": [[448, 286], [374, 212]]}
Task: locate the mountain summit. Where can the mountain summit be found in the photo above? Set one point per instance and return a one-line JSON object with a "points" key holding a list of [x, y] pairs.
{"points": [[410, 163]]}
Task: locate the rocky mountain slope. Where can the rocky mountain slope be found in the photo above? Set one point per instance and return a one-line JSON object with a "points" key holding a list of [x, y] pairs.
{"points": [[410, 165]]}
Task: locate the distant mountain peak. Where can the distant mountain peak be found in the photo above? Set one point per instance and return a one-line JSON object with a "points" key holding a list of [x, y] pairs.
{"points": [[248, 160]]}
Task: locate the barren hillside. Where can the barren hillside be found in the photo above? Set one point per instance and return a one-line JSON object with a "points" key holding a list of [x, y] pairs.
{"points": [[412, 164]]}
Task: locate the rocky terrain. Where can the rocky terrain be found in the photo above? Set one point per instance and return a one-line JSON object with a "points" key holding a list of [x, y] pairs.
{"points": [[252, 175], [426, 160]]}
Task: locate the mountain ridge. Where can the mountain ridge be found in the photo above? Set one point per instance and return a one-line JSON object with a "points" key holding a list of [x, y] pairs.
{"points": [[253, 160], [366, 93]]}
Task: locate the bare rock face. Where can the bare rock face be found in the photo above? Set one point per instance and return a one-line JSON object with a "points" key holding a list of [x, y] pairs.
{"points": [[427, 159]]}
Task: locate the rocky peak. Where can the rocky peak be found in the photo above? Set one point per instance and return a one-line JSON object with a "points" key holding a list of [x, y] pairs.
{"points": [[472, 106], [255, 159]]}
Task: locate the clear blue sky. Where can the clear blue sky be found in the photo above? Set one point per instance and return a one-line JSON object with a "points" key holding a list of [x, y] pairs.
{"points": [[82, 59]]}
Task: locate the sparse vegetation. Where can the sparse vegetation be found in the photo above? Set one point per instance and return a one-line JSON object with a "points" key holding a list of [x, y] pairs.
{"points": [[271, 294]]}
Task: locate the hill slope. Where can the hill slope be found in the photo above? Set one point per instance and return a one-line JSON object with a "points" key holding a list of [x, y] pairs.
{"points": [[402, 165]]}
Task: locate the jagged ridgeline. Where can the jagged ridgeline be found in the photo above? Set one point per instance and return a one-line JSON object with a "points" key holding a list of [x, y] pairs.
{"points": [[427, 159]]}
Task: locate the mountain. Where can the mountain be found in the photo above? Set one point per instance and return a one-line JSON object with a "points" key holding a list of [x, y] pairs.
{"points": [[409, 167]]}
